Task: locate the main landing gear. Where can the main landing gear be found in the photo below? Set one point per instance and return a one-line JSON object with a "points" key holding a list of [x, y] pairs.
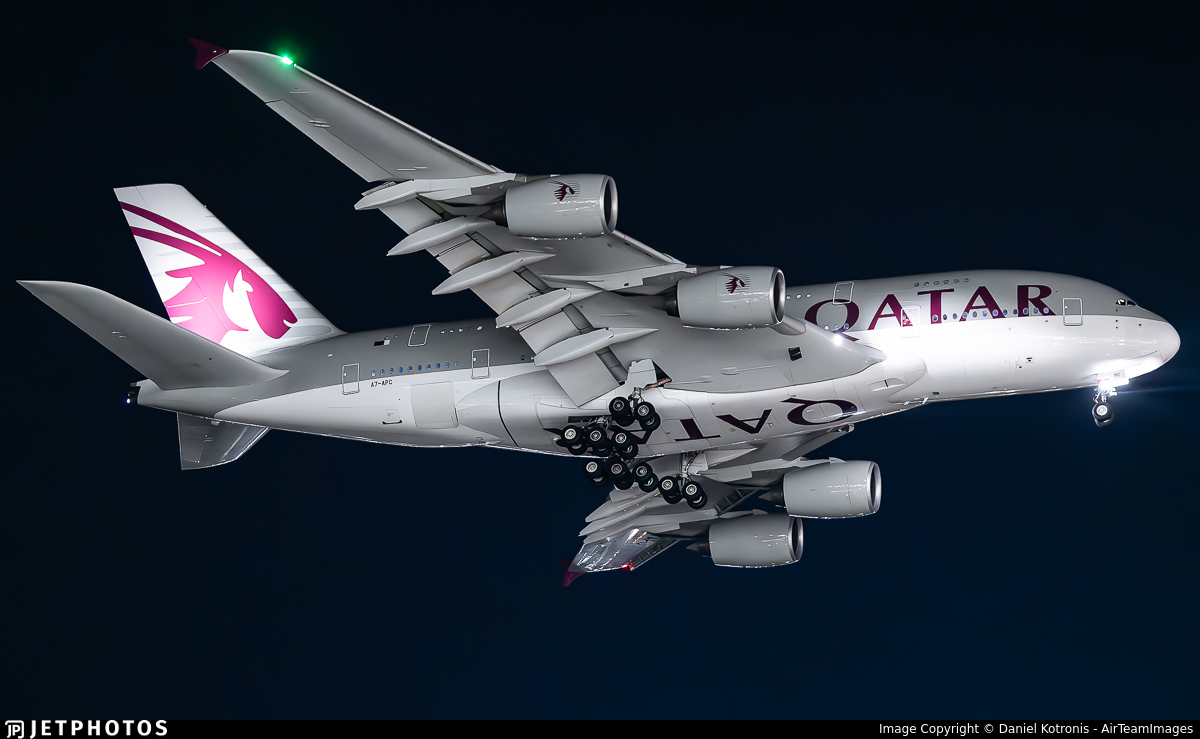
{"points": [[1102, 411], [618, 450]]}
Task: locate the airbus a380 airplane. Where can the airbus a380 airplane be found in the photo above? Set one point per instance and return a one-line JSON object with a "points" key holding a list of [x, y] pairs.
{"points": [[690, 390]]}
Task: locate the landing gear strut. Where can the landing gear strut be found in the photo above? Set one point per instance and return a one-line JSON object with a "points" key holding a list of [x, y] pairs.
{"points": [[1102, 411]]}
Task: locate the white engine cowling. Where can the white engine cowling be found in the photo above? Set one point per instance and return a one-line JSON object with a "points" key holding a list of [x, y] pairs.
{"points": [[740, 297], [574, 206], [756, 541], [834, 490]]}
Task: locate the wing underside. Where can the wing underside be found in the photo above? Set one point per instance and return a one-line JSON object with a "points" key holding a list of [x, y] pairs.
{"points": [[632, 527]]}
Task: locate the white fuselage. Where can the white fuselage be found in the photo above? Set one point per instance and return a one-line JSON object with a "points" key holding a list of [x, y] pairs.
{"points": [[980, 334]]}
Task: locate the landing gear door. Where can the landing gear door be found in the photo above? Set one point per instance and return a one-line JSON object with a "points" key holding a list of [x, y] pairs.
{"points": [[1072, 311], [481, 364], [349, 379]]}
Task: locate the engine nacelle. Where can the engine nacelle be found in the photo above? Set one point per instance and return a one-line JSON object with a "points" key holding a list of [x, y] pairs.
{"points": [[834, 490], [574, 206], [741, 297], [756, 541]]}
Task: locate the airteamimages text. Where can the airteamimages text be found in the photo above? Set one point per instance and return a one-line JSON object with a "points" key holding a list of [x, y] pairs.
{"points": [[1050, 727]]}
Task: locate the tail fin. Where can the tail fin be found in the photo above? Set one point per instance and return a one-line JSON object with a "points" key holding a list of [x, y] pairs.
{"points": [[210, 283], [170, 356]]}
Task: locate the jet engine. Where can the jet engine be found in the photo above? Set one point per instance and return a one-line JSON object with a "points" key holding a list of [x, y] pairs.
{"points": [[834, 490], [576, 206], [739, 297], [756, 541]]}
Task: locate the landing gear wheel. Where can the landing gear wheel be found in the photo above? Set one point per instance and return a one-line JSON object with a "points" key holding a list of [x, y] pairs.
{"points": [[642, 471], [577, 449], [629, 451], [694, 494], [651, 423], [626, 419], [650, 484], [571, 435], [1102, 414], [616, 468], [618, 407], [621, 438], [593, 468], [603, 449], [668, 487], [642, 411], [596, 435], [624, 483], [600, 481]]}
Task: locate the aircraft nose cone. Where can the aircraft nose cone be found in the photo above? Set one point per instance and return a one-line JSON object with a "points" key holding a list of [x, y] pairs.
{"points": [[1170, 342]]}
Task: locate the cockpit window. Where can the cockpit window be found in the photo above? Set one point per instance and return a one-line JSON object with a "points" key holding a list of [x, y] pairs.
{"points": [[1126, 301]]}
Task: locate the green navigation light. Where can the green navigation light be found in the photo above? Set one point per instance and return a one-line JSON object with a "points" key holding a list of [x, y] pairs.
{"points": [[287, 60]]}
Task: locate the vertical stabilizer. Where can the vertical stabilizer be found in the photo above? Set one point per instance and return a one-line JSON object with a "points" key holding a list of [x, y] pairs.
{"points": [[212, 284]]}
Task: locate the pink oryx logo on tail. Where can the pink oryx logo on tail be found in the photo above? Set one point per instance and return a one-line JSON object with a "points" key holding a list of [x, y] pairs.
{"points": [[563, 190], [201, 302]]}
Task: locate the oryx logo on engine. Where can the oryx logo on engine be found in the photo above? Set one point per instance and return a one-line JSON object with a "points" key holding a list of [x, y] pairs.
{"points": [[564, 189], [735, 282]]}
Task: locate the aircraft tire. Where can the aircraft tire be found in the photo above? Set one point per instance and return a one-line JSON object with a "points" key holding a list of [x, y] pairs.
{"points": [[593, 468], [571, 435], [642, 471], [642, 411], [650, 484], [691, 489], [615, 467], [625, 419], [698, 503], [624, 483], [1102, 414], [619, 407], [650, 423], [668, 487], [577, 449], [596, 434], [629, 451]]}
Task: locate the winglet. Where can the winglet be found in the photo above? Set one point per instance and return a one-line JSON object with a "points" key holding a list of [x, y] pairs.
{"points": [[569, 575], [206, 52]]}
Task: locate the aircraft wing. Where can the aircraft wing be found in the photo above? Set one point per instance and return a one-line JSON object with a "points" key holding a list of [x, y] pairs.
{"points": [[364, 138], [437, 193]]}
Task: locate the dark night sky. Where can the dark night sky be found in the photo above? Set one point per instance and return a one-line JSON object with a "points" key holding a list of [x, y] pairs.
{"points": [[1027, 564]]}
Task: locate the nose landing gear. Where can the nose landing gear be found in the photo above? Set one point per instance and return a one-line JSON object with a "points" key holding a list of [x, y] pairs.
{"points": [[1102, 411]]}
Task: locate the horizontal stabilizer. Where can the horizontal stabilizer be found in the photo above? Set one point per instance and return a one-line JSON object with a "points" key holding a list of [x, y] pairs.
{"points": [[171, 356], [206, 443]]}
